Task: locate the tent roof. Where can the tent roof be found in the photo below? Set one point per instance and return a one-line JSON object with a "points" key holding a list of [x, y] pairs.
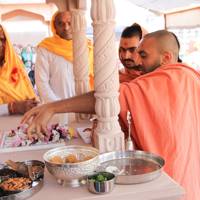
{"points": [[164, 6]]}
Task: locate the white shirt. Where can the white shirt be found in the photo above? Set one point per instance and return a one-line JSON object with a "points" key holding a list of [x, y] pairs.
{"points": [[53, 76], [4, 109]]}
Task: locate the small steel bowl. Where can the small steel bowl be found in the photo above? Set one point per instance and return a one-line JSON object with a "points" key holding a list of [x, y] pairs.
{"points": [[71, 174], [101, 187]]}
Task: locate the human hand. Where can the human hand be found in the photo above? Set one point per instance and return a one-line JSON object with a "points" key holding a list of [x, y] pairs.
{"points": [[20, 107], [37, 119]]}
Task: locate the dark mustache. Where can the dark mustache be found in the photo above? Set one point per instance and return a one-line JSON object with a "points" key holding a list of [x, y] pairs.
{"points": [[129, 60]]}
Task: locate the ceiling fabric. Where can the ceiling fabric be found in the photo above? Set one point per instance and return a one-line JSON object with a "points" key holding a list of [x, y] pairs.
{"points": [[164, 6], [178, 14], [186, 19]]}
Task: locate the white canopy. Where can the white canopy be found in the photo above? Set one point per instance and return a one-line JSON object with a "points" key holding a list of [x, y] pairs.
{"points": [[178, 14], [166, 6]]}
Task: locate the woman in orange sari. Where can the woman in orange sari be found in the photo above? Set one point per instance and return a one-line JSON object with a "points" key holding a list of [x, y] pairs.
{"points": [[16, 91]]}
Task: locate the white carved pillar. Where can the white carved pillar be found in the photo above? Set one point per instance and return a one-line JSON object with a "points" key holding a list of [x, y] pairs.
{"points": [[108, 134], [80, 55]]}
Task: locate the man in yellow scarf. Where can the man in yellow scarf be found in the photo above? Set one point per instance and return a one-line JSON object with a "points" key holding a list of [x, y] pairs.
{"points": [[53, 69], [15, 86]]}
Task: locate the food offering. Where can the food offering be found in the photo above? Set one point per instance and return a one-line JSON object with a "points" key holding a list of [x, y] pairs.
{"points": [[71, 165], [55, 135], [71, 158], [20, 180], [16, 184]]}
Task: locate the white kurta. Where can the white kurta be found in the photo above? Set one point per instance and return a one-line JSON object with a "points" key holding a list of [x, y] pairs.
{"points": [[54, 77], [4, 109]]}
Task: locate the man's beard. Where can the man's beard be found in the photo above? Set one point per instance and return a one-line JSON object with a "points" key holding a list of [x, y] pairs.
{"points": [[130, 64]]}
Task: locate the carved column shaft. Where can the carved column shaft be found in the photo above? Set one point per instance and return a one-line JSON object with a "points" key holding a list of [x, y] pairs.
{"points": [[108, 135], [80, 54]]}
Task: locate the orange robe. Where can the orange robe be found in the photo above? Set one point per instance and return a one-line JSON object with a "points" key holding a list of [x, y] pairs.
{"points": [[14, 82], [165, 109], [126, 75]]}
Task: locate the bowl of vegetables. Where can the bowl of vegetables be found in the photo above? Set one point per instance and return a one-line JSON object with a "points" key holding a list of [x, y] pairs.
{"points": [[101, 182]]}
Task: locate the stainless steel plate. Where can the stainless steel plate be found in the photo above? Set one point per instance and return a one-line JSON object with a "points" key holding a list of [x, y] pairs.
{"points": [[35, 186], [132, 167]]}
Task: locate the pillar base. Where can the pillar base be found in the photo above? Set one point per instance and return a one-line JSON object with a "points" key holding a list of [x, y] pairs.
{"points": [[109, 142]]}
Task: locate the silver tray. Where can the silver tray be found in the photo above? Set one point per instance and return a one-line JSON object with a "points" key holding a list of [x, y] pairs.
{"points": [[131, 167], [36, 185]]}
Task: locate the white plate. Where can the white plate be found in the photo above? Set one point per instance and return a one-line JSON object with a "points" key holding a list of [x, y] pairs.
{"points": [[85, 135]]}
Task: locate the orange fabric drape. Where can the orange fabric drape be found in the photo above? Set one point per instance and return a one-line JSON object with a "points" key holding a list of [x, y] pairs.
{"points": [[165, 109], [64, 48], [126, 75], [14, 82]]}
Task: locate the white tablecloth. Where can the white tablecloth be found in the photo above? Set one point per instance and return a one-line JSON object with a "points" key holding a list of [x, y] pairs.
{"points": [[162, 188]]}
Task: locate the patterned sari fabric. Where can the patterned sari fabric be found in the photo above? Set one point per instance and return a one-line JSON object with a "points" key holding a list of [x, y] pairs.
{"points": [[14, 82]]}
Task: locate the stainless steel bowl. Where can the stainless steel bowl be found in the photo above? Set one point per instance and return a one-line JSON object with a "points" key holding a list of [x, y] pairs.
{"points": [[102, 187], [72, 174]]}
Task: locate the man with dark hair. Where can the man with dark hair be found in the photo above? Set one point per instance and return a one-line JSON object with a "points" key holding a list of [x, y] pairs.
{"points": [[164, 105], [133, 30], [129, 41]]}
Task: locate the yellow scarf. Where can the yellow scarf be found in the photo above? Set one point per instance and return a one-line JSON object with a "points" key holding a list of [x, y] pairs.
{"points": [[64, 48], [14, 82]]}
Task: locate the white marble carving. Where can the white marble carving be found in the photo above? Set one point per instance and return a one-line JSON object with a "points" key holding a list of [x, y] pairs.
{"points": [[80, 53], [108, 134]]}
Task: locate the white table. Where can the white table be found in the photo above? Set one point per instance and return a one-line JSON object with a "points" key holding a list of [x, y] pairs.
{"points": [[162, 188]]}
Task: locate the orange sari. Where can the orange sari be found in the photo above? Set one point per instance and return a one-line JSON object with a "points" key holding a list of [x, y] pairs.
{"points": [[64, 48], [14, 82], [165, 109]]}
